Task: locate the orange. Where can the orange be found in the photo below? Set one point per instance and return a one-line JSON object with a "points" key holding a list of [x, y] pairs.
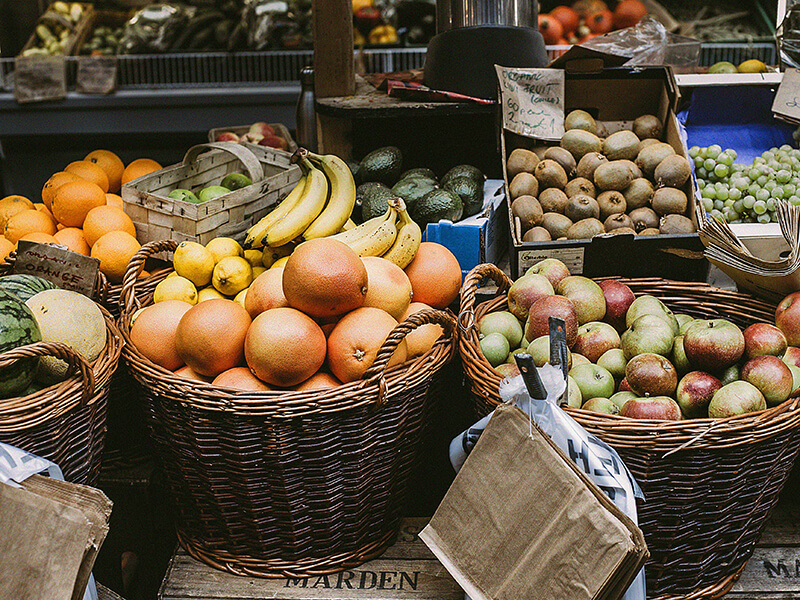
{"points": [[73, 200], [435, 275], [72, 238], [38, 237], [153, 332], [114, 200], [139, 167], [102, 219], [6, 248], [324, 278], [52, 184], [421, 339], [90, 172], [42, 208], [114, 250], [28, 221], [188, 372], [240, 378], [265, 292], [11, 205], [388, 286], [318, 381], [111, 164], [284, 346], [354, 343]]}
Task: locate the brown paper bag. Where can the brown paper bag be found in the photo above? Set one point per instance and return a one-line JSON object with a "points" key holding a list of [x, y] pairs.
{"points": [[50, 534], [522, 521]]}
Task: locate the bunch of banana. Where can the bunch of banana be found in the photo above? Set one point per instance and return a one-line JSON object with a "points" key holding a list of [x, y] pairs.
{"points": [[320, 204]]}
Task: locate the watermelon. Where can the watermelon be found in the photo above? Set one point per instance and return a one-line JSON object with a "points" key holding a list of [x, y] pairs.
{"points": [[24, 286], [18, 327]]}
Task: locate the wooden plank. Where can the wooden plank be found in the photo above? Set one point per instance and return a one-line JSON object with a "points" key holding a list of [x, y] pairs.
{"points": [[334, 72], [771, 573]]}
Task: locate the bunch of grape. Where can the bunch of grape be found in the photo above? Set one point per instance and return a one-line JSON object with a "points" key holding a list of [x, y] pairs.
{"points": [[746, 194]]}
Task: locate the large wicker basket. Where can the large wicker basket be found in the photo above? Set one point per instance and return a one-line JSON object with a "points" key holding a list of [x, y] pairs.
{"points": [[66, 422], [288, 483], [709, 484]]}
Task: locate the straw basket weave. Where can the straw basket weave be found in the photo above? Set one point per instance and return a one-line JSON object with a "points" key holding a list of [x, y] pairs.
{"points": [[709, 484], [66, 422], [288, 483]]}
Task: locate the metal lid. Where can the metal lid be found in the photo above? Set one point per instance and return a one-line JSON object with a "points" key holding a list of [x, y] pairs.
{"points": [[307, 75]]}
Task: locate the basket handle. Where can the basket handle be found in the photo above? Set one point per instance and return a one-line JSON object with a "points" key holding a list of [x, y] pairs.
{"points": [[247, 158], [75, 361], [473, 281], [423, 317], [128, 302]]}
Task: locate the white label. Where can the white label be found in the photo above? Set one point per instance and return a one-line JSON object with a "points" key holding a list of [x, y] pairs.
{"points": [[572, 257], [532, 101], [787, 99]]}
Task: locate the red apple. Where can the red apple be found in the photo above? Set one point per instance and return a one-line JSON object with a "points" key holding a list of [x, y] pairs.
{"points": [[761, 339], [661, 408], [227, 136], [507, 370], [618, 297], [713, 345], [694, 392], [579, 359], [787, 318], [736, 398], [771, 376], [792, 356], [538, 323], [651, 374], [594, 339], [601, 405], [525, 291], [274, 141], [623, 386], [586, 295], [552, 268], [262, 129], [252, 138]]}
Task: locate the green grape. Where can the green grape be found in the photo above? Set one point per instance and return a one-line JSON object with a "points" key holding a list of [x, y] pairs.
{"points": [[722, 170], [762, 181], [770, 185], [723, 194], [740, 183], [717, 214], [753, 174], [760, 207], [771, 204], [738, 205], [725, 159], [789, 189], [708, 203], [763, 218], [785, 148], [736, 221], [794, 200], [713, 151], [719, 204], [694, 151], [709, 164], [748, 201], [732, 153], [735, 193], [774, 165], [727, 203], [738, 167], [777, 192], [701, 173], [709, 192], [783, 176], [701, 183], [759, 160], [752, 189], [768, 155], [729, 214], [698, 161], [762, 195]]}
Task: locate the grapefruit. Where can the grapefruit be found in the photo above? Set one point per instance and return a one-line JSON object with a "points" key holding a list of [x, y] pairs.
{"points": [[189, 373], [240, 378], [388, 286], [421, 339], [153, 332], [265, 292], [318, 381], [435, 275]]}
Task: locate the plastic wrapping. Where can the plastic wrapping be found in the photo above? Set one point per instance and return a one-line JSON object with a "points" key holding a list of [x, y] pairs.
{"points": [[154, 28], [788, 37]]}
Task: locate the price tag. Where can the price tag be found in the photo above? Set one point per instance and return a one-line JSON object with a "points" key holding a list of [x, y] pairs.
{"points": [[68, 270], [96, 74], [786, 105], [572, 257], [532, 101], [39, 78]]}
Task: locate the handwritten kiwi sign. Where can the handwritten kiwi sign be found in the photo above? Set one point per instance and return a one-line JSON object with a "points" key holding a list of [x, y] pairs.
{"points": [[786, 105], [532, 101], [68, 270]]}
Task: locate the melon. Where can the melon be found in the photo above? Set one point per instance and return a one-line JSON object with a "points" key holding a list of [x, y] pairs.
{"points": [[18, 327], [24, 285], [72, 319]]}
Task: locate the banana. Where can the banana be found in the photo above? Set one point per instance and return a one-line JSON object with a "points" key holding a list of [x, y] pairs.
{"points": [[359, 231], [373, 237], [341, 200], [256, 233], [409, 237], [308, 208], [348, 225]]}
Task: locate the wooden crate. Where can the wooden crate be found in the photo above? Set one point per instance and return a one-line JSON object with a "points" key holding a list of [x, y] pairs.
{"points": [[158, 217], [78, 32], [280, 130]]}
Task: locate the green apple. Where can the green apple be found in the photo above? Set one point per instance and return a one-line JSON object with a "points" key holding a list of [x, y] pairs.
{"points": [[593, 381], [502, 322], [495, 348], [183, 194], [235, 181], [211, 192]]}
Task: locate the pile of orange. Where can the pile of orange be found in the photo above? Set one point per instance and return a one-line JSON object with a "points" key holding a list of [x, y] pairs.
{"points": [[80, 209]]}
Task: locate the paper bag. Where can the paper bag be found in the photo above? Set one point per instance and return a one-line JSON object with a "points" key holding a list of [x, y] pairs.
{"points": [[522, 521]]}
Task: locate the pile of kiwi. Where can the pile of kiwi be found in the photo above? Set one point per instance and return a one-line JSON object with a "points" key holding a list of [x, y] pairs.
{"points": [[592, 183]]}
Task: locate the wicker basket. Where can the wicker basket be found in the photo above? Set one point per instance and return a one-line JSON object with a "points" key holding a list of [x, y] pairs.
{"points": [[66, 422], [284, 483], [709, 484]]}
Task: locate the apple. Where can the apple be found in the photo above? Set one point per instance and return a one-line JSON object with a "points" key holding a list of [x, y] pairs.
{"points": [[521, 350], [253, 138], [552, 268], [686, 324], [538, 323], [661, 408], [623, 386], [683, 321], [620, 398], [525, 291], [502, 322], [771, 376], [586, 295], [736, 398], [795, 377], [761, 339], [274, 141], [650, 305], [539, 349], [787, 318], [579, 359], [601, 405], [507, 370], [227, 136], [593, 381], [614, 362], [730, 374], [694, 392], [618, 298], [594, 339], [494, 348], [792, 356], [574, 398], [648, 333], [679, 359], [713, 345], [651, 374], [261, 128]]}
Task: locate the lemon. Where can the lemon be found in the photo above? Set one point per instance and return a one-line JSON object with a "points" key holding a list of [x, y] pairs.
{"points": [[241, 296], [254, 257], [195, 262], [173, 274], [208, 293], [258, 271], [752, 66], [280, 263], [231, 275], [224, 246], [175, 288]]}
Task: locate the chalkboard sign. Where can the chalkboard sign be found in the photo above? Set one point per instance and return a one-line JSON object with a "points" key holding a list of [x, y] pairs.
{"points": [[96, 74], [532, 101], [39, 78]]}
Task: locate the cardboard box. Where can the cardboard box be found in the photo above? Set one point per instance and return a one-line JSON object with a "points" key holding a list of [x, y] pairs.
{"points": [[616, 96]]}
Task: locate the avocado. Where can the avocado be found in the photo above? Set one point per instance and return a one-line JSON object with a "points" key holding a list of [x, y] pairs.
{"points": [[412, 189], [383, 165], [470, 192], [423, 172], [373, 198], [437, 204], [463, 170]]}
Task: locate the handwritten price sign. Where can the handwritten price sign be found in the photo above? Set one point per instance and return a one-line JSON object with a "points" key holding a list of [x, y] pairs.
{"points": [[786, 105], [532, 101]]}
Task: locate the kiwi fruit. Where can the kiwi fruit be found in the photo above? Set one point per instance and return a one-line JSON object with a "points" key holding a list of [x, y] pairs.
{"points": [[528, 210], [613, 175], [611, 202], [536, 234], [644, 218], [523, 184], [673, 171], [580, 185], [581, 207], [647, 127], [647, 142], [669, 201], [553, 200], [585, 229], [539, 151], [671, 224], [635, 170], [588, 163], [622, 231], [557, 224], [580, 119], [618, 221], [562, 157], [579, 143], [602, 130], [638, 193], [550, 174], [521, 160], [650, 231], [622, 144], [651, 155]]}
